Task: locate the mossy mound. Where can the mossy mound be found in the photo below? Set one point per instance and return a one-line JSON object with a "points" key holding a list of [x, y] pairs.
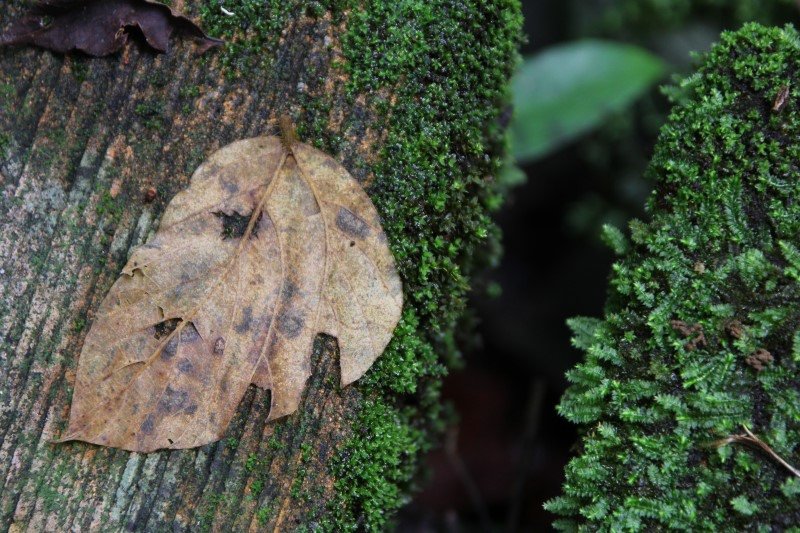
{"points": [[447, 64], [701, 335]]}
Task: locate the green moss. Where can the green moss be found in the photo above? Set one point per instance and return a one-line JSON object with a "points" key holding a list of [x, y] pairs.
{"points": [[256, 487], [252, 462], [107, 205], [709, 281], [205, 515], [5, 143], [253, 29], [376, 466], [264, 514], [78, 324], [446, 64], [189, 91], [152, 114], [6, 94], [618, 151]]}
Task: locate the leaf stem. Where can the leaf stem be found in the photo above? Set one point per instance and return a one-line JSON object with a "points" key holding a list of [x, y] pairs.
{"points": [[288, 134], [752, 440]]}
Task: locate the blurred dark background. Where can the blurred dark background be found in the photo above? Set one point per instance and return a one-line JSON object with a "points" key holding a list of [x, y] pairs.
{"points": [[505, 456]]}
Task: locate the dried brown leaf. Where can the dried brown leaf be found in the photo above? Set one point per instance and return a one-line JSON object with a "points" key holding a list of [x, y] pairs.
{"points": [[101, 27], [267, 248], [759, 359]]}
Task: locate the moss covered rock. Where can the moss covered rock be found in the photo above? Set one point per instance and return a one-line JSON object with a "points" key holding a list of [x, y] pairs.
{"points": [[700, 341]]}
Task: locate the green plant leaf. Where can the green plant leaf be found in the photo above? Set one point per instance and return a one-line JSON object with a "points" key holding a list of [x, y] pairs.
{"points": [[568, 89]]}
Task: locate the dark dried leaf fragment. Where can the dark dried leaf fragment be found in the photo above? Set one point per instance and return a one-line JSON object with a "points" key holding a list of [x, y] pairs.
{"points": [[101, 27], [780, 99], [735, 329], [759, 359], [695, 334]]}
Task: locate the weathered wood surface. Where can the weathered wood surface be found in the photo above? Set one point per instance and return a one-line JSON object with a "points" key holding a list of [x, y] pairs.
{"points": [[83, 141]]}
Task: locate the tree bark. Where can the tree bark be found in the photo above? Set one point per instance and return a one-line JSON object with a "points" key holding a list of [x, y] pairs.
{"points": [[82, 141]]}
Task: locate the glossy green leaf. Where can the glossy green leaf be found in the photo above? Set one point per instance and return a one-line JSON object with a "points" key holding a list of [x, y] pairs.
{"points": [[567, 90]]}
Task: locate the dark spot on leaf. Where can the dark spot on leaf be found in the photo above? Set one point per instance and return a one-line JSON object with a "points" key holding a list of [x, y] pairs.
{"points": [[247, 320], [290, 324], [189, 333], [191, 409], [172, 401], [234, 225], [163, 329], [230, 186], [352, 243], [170, 349], [219, 346], [351, 224], [147, 425], [184, 366], [171, 442], [289, 290]]}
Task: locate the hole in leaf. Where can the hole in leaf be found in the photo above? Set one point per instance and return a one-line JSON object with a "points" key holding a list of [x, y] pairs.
{"points": [[234, 225], [163, 329]]}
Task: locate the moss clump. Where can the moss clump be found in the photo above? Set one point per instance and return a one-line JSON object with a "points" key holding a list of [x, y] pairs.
{"points": [[252, 28], [707, 285], [618, 151], [446, 64], [250, 32]]}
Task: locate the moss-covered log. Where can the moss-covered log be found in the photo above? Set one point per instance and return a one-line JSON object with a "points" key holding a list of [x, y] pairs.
{"points": [[701, 338], [410, 95]]}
